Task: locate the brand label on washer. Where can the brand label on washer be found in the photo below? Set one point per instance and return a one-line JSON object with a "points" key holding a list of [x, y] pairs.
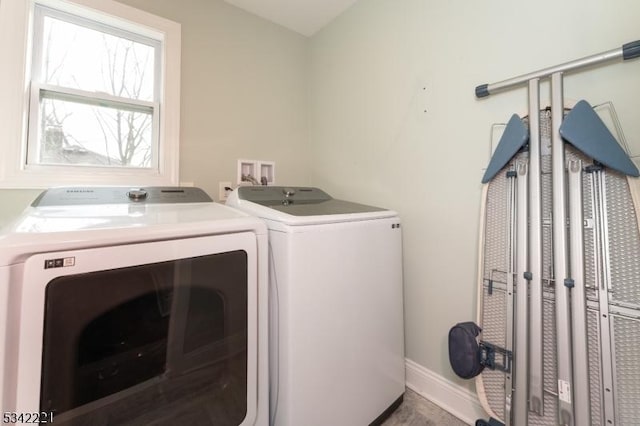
{"points": [[59, 262]]}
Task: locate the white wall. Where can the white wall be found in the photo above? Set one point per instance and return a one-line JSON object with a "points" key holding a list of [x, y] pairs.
{"points": [[244, 95], [376, 70]]}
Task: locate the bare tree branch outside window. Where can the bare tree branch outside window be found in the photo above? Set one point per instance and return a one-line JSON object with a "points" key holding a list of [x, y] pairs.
{"points": [[78, 132]]}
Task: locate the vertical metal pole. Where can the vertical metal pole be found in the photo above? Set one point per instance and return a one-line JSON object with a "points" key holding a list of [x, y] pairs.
{"points": [[510, 257], [603, 283], [521, 356], [536, 375], [581, 396], [563, 317]]}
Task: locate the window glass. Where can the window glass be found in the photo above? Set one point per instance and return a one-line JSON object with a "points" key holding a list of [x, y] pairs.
{"points": [[83, 58], [93, 94], [80, 134]]}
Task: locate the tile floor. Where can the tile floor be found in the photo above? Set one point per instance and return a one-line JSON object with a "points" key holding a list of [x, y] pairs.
{"points": [[417, 411]]}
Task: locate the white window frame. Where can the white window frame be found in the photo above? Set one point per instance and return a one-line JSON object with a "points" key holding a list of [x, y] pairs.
{"points": [[16, 43]]}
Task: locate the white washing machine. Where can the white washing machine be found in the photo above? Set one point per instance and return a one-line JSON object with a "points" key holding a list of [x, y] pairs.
{"points": [[337, 340], [145, 306]]}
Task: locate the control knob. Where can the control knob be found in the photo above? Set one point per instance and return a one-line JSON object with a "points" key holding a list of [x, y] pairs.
{"points": [[137, 194]]}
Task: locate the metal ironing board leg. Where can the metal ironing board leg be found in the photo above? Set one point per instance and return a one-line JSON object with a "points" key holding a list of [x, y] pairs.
{"points": [[560, 264], [536, 382], [511, 265], [521, 356], [581, 397], [603, 283]]}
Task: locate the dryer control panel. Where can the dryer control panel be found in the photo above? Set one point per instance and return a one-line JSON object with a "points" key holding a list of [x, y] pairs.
{"points": [[78, 196]]}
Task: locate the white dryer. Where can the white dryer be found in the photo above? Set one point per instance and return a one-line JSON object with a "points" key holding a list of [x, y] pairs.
{"points": [[144, 306], [337, 340]]}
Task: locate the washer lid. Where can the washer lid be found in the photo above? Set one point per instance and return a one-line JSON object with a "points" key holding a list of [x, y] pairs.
{"points": [[295, 205]]}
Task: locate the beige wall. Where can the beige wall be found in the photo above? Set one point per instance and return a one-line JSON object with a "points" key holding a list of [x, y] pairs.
{"points": [[394, 122], [244, 95], [15, 201]]}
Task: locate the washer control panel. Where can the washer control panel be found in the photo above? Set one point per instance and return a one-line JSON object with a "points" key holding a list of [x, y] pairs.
{"points": [[278, 194], [300, 201]]}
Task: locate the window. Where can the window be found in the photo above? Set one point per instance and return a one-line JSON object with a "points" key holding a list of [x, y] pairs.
{"points": [[101, 96], [93, 94]]}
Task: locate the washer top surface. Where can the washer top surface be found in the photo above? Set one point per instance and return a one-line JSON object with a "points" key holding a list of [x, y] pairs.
{"points": [[65, 218], [301, 205]]}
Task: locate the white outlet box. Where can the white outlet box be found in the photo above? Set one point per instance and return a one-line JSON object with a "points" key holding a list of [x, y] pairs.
{"points": [[267, 171], [223, 192], [247, 168]]}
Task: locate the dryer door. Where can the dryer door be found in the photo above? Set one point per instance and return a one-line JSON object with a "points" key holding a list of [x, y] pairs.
{"points": [[153, 333]]}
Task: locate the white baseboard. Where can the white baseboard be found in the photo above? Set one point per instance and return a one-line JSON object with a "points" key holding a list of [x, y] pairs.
{"points": [[455, 399]]}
